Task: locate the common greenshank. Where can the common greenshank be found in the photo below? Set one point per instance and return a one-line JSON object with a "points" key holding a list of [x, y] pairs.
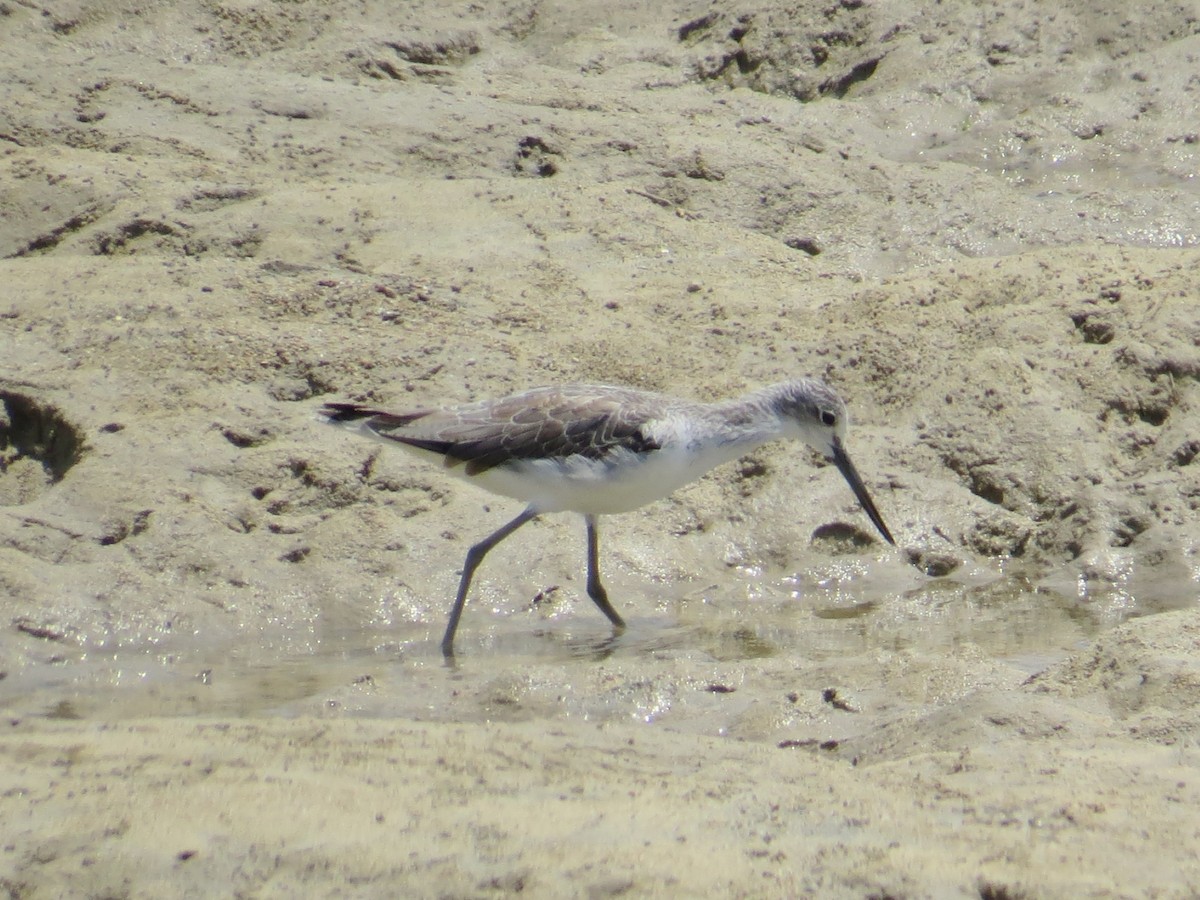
{"points": [[597, 449]]}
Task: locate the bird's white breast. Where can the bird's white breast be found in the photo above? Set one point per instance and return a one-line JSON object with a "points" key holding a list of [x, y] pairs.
{"points": [[621, 481]]}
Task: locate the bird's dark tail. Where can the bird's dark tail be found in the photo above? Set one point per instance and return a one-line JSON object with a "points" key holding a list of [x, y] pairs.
{"points": [[339, 413], [349, 413]]}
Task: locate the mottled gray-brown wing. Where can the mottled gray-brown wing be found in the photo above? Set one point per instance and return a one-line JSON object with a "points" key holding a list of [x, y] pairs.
{"points": [[547, 423]]}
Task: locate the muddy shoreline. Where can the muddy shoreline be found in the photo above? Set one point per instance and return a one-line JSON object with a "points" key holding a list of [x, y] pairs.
{"points": [[219, 618]]}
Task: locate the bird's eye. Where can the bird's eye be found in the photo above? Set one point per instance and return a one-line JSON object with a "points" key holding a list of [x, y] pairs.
{"points": [[828, 418]]}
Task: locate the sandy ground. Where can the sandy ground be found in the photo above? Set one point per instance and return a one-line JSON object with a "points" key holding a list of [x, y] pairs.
{"points": [[218, 662]]}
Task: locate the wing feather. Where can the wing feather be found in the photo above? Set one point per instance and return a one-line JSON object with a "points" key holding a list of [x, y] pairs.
{"points": [[546, 423]]}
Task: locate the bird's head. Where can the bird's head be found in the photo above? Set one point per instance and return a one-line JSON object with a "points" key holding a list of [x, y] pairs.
{"points": [[815, 414]]}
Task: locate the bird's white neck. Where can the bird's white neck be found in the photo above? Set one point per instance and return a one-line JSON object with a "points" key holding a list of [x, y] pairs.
{"points": [[716, 433]]}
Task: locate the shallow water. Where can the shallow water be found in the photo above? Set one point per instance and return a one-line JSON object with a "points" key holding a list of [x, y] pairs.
{"points": [[763, 639]]}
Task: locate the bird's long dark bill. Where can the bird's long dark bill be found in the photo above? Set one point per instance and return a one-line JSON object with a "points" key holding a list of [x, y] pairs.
{"points": [[842, 461]]}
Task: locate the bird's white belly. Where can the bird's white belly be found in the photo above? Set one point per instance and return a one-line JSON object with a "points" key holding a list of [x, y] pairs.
{"points": [[621, 482]]}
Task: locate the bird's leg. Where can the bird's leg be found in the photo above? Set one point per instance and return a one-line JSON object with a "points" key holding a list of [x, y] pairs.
{"points": [[594, 588], [474, 557]]}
